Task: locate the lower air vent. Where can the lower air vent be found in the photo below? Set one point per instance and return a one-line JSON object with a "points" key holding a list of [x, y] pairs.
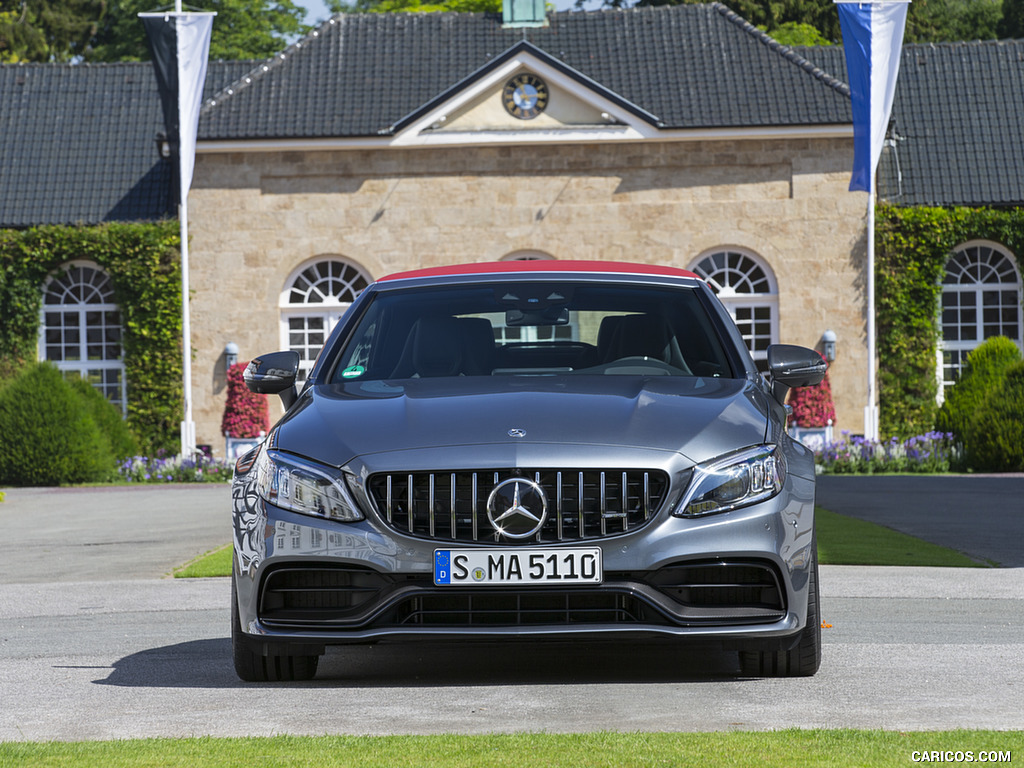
{"points": [[295, 596]]}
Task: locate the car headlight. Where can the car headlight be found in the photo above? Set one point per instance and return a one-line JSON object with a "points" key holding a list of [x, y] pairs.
{"points": [[304, 486], [734, 480]]}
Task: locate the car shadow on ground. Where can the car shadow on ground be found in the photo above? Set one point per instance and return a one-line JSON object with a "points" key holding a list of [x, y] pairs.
{"points": [[207, 664]]}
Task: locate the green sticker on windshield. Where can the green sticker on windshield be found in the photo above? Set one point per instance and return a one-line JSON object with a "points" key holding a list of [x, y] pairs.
{"points": [[353, 373]]}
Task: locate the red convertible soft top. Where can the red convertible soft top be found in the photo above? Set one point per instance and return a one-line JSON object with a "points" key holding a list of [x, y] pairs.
{"points": [[543, 265]]}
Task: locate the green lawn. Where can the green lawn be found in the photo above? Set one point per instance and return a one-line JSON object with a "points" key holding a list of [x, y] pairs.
{"points": [[216, 562], [846, 540], [791, 748]]}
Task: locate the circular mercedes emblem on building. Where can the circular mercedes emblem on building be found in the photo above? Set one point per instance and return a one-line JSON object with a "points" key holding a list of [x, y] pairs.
{"points": [[517, 508]]}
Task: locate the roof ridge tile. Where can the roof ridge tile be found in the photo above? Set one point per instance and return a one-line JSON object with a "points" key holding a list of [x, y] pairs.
{"points": [[783, 50]]}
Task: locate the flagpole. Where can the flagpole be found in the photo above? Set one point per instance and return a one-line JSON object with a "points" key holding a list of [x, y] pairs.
{"points": [[188, 424], [871, 409]]}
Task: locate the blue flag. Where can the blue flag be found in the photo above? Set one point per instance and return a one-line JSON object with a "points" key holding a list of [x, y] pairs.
{"points": [[872, 40]]}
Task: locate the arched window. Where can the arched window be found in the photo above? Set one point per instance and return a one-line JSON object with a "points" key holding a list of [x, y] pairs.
{"points": [[746, 285], [527, 256], [80, 328], [315, 297], [981, 298]]}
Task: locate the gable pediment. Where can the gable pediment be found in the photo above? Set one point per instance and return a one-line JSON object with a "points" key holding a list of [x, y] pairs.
{"points": [[524, 95]]}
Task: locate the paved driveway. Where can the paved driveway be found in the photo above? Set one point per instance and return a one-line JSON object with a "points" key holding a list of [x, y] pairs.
{"points": [[979, 515], [99, 534]]}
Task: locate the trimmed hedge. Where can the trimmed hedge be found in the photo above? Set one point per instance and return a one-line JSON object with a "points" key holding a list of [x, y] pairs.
{"points": [[996, 435], [58, 441], [982, 374], [143, 261], [107, 417]]}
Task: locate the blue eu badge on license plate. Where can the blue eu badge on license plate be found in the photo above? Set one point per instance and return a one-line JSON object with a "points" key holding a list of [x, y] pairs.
{"points": [[442, 566]]}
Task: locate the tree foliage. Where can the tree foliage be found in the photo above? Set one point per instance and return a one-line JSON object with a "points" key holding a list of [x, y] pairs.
{"points": [[110, 30], [243, 29], [928, 21], [47, 30], [415, 6]]}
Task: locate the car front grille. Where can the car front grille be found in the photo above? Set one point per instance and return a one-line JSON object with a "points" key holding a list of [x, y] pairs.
{"points": [[582, 504]]}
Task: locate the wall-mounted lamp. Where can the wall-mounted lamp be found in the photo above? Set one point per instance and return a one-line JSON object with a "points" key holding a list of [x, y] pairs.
{"points": [[230, 354], [828, 341]]}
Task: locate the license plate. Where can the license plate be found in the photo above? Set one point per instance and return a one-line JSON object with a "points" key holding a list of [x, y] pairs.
{"points": [[510, 567]]}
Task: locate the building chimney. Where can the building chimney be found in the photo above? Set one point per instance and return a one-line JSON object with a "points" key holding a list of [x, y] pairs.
{"points": [[523, 13]]}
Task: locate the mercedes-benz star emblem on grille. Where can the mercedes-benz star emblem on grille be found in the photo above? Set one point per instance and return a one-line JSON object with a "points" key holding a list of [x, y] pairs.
{"points": [[517, 432], [517, 508]]}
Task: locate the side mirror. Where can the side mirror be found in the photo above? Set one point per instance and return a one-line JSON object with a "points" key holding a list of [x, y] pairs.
{"points": [[793, 366], [273, 374]]}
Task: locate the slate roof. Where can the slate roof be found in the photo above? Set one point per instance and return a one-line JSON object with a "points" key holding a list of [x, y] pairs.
{"points": [[78, 142], [690, 66], [957, 124]]}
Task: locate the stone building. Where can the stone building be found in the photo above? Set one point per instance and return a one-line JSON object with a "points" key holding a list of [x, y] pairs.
{"points": [[674, 135]]}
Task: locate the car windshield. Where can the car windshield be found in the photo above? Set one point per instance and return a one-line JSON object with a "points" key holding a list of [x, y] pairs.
{"points": [[525, 328]]}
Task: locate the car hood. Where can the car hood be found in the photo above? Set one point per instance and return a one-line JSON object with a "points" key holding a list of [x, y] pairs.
{"points": [[698, 418]]}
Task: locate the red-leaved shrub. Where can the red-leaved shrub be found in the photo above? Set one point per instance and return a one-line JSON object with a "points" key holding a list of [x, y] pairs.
{"points": [[246, 413]]}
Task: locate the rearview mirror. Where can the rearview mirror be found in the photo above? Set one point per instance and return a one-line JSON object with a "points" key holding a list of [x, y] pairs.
{"points": [[793, 366], [273, 374]]}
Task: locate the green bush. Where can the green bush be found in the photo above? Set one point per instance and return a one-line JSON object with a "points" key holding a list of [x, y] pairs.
{"points": [[996, 436], [982, 375], [50, 437], [108, 419]]}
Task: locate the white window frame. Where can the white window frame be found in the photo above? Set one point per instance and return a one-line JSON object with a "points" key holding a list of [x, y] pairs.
{"points": [[736, 283], [527, 255], [334, 294], [975, 286], [98, 286]]}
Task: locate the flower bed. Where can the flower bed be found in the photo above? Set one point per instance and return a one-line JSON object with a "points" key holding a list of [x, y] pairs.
{"points": [[928, 453], [143, 469]]}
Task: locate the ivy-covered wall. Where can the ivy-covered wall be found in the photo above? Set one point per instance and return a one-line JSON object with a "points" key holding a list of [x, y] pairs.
{"points": [[912, 246], [143, 261]]}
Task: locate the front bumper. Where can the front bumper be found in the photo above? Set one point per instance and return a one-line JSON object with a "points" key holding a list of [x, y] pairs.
{"points": [[739, 577]]}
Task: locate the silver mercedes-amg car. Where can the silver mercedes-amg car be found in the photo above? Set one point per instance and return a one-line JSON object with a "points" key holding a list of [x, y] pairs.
{"points": [[528, 451]]}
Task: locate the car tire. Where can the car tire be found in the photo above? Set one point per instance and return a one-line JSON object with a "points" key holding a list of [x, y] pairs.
{"points": [[804, 658], [253, 666]]}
